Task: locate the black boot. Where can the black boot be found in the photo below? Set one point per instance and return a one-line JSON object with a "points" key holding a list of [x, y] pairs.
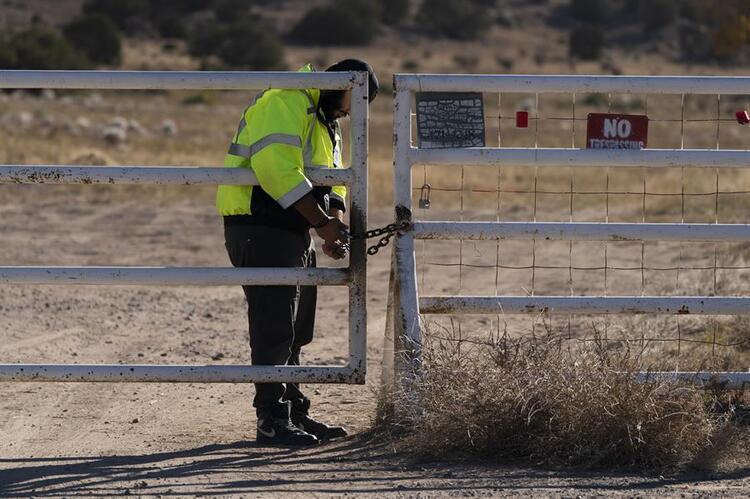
{"points": [[321, 430], [276, 428]]}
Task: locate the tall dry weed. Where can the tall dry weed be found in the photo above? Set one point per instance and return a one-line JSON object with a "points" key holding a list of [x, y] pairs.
{"points": [[542, 403]]}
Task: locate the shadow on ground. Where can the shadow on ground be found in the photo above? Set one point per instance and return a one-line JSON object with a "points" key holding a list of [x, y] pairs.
{"points": [[355, 465]]}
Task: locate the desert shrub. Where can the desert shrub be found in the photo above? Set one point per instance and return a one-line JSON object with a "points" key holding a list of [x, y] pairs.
{"points": [[119, 11], [247, 43], [172, 27], [227, 11], [730, 37], [657, 14], [590, 11], [204, 97], [459, 19], [410, 65], [341, 23], [7, 55], [41, 48], [394, 12], [96, 36], [536, 401], [586, 42]]}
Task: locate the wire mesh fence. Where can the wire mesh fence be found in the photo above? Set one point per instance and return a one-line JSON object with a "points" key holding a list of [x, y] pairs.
{"points": [[570, 194]]}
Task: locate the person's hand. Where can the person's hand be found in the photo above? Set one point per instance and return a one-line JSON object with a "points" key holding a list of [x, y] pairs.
{"points": [[335, 231], [337, 251]]}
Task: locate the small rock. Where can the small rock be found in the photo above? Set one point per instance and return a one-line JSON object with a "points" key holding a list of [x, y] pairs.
{"points": [[94, 100], [527, 104], [119, 122], [25, 119], [506, 18], [114, 135], [47, 121], [218, 356], [135, 127], [134, 421], [71, 128], [169, 127], [83, 122]]}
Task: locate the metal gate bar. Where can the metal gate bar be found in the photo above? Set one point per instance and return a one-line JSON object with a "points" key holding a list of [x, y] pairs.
{"points": [[582, 231], [183, 175], [675, 305], [546, 157], [354, 277], [115, 373], [173, 276]]}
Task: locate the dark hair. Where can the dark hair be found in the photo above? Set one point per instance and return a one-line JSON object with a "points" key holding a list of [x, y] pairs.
{"points": [[359, 65]]}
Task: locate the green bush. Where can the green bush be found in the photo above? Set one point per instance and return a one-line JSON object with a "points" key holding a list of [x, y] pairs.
{"points": [[7, 55], [227, 11], [657, 14], [96, 36], [394, 12], [247, 43], [590, 11], [345, 23], [119, 11], [586, 42], [40, 48], [172, 27], [459, 19]]}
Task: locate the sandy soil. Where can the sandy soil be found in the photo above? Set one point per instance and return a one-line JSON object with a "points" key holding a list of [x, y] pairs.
{"points": [[160, 439]]}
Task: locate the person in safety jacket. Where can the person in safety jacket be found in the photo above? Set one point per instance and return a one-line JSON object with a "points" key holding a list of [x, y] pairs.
{"points": [[281, 133]]}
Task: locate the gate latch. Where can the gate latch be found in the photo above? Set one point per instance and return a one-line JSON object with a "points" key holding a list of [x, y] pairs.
{"points": [[424, 197]]}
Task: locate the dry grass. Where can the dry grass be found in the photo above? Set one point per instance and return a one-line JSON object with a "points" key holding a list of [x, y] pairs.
{"points": [[536, 401]]}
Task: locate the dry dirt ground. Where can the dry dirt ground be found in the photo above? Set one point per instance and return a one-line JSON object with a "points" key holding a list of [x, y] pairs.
{"points": [[161, 439]]}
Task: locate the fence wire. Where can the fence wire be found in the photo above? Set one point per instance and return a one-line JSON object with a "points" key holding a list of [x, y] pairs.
{"points": [[709, 332]]}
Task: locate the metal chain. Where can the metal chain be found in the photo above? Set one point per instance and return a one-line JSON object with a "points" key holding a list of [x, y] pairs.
{"points": [[385, 234]]}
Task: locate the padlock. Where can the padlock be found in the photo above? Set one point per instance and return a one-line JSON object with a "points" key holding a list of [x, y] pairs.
{"points": [[424, 197]]}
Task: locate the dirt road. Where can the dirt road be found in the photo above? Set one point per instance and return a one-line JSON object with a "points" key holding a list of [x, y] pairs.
{"points": [[159, 439]]}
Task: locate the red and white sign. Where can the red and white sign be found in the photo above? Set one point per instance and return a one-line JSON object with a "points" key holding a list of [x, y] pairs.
{"points": [[616, 131]]}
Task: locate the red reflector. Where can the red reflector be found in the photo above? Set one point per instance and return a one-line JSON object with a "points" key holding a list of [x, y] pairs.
{"points": [[522, 119]]}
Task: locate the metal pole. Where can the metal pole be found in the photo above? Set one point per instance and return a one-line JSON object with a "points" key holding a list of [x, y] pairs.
{"points": [[175, 80], [173, 276], [407, 318], [712, 85], [173, 373], [59, 174], [358, 222], [582, 231], [673, 305], [631, 158]]}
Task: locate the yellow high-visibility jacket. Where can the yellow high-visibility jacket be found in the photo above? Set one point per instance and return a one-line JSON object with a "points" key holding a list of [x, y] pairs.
{"points": [[279, 135]]}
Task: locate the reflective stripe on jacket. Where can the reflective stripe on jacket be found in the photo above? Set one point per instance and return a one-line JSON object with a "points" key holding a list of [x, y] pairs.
{"points": [[278, 136]]}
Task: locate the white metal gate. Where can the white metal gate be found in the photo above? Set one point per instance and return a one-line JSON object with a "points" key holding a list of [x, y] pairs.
{"points": [[408, 303], [354, 276]]}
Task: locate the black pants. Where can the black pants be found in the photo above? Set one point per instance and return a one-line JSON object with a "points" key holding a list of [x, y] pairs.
{"points": [[281, 319]]}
